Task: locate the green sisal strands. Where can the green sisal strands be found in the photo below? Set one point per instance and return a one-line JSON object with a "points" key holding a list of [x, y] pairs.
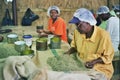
{"points": [[7, 50], [66, 63]]}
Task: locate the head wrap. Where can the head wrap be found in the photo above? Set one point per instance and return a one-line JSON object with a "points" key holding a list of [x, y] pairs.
{"points": [[53, 8], [103, 10], [85, 15]]}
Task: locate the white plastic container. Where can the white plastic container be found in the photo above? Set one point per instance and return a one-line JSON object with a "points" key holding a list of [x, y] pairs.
{"points": [[28, 40]]}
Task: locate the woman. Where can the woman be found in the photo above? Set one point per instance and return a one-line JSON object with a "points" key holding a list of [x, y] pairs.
{"points": [[56, 25]]}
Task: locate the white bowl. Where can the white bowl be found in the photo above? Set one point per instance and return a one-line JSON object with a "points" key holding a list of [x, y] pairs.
{"points": [[12, 36], [19, 42]]}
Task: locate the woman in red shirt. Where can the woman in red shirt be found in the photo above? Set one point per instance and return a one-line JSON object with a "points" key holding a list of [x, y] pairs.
{"points": [[56, 25]]}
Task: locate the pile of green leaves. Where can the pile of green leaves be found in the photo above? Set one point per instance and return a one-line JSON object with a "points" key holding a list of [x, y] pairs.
{"points": [[7, 50], [42, 40], [55, 39], [66, 63]]}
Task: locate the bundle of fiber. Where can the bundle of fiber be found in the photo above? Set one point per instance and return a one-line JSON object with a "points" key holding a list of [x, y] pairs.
{"points": [[66, 63], [7, 50]]}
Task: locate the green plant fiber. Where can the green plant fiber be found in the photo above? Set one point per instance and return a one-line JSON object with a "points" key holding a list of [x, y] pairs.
{"points": [[7, 50], [66, 63]]}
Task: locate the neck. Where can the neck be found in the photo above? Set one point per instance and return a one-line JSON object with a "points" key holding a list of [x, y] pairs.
{"points": [[54, 19], [89, 34]]}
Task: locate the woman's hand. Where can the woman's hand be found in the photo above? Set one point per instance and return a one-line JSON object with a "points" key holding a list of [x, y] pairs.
{"points": [[90, 64], [40, 31], [67, 52], [42, 34], [70, 51]]}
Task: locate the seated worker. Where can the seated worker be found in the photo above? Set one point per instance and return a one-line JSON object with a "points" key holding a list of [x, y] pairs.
{"points": [[56, 25], [112, 25], [103, 23], [92, 44], [116, 9]]}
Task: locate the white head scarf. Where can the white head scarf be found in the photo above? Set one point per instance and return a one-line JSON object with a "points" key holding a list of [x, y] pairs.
{"points": [[103, 10], [85, 15], [53, 8]]}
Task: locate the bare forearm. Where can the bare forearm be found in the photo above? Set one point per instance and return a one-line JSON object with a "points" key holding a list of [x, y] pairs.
{"points": [[47, 32], [90, 64], [98, 60], [71, 50]]}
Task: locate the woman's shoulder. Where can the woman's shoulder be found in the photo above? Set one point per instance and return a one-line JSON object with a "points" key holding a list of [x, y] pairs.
{"points": [[60, 19], [101, 32], [113, 19]]}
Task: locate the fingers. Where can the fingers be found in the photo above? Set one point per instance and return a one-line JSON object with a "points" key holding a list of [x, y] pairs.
{"points": [[67, 53], [40, 31], [89, 65], [43, 35]]}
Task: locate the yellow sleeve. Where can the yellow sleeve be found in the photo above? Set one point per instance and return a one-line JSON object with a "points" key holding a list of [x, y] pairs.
{"points": [[73, 41], [108, 50]]}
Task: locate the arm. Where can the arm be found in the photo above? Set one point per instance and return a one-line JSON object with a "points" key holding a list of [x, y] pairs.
{"points": [[47, 31], [91, 64], [71, 50], [73, 46], [43, 32], [106, 56]]}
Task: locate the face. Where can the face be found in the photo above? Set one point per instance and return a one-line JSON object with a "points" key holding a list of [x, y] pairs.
{"points": [[53, 14], [104, 17], [117, 13], [83, 27]]}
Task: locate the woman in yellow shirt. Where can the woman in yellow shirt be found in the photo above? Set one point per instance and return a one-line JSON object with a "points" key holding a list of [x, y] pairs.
{"points": [[92, 44]]}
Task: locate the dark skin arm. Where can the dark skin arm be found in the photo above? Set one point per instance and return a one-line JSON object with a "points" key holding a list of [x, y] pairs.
{"points": [[42, 33], [46, 32], [49, 32], [90, 64], [71, 50]]}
